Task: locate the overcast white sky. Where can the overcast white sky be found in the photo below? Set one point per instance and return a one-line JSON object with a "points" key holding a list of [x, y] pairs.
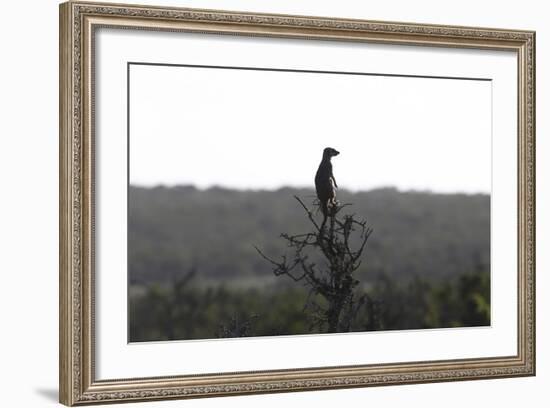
{"points": [[264, 130]]}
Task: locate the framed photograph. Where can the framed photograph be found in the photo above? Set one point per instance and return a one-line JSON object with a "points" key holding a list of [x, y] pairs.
{"points": [[256, 203]]}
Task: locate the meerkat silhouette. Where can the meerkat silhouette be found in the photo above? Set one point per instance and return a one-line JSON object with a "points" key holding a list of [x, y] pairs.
{"points": [[325, 183]]}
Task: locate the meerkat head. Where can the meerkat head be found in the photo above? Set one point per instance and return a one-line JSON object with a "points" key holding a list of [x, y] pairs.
{"points": [[330, 152]]}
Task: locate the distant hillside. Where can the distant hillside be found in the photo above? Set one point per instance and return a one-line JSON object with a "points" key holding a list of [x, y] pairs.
{"points": [[171, 230]]}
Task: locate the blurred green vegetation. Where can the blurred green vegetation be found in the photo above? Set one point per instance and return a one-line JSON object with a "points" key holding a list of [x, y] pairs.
{"points": [[426, 265], [189, 312], [463, 301]]}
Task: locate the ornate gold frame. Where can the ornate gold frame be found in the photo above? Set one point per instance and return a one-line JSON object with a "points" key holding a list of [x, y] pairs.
{"points": [[76, 346]]}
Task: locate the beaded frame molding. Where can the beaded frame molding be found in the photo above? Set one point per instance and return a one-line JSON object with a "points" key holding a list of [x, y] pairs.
{"points": [[78, 20]]}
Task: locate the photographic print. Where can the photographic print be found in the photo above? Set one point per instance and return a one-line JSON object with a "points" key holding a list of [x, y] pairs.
{"points": [[265, 201]]}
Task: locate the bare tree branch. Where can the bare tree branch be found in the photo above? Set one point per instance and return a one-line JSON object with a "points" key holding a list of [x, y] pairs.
{"points": [[334, 282]]}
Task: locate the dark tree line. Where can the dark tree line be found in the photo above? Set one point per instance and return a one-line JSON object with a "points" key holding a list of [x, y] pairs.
{"points": [[437, 236]]}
